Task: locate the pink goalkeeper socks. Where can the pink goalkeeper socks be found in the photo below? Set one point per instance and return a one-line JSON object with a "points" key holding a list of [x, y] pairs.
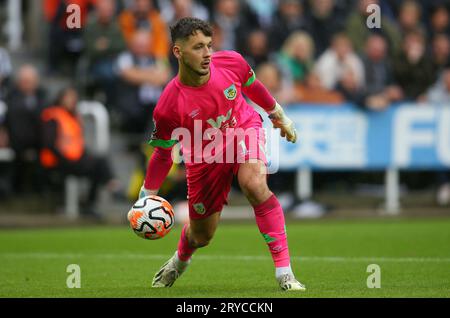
{"points": [[270, 220], [184, 250]]}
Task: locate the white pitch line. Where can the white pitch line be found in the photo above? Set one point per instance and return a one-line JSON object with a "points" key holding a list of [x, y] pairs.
{"points": [[329, 259]]}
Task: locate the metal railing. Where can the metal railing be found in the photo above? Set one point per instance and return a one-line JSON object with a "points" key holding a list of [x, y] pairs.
{"points": [[14, 26], [304, 188], [6, 154], [101, 140]]}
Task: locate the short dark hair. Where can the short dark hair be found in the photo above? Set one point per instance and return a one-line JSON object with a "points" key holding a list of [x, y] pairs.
{"points": [[186, 27]]}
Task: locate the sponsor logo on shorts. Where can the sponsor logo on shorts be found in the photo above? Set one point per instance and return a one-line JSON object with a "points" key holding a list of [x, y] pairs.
{"points": [[230, 92], [199, 208]]}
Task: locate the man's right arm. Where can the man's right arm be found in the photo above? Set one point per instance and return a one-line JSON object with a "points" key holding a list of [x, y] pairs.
{"points": [[161, 160], [157, 170]]}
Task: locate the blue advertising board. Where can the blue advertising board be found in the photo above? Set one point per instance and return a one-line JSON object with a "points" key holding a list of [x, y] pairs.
{"points": [[405, 136]]}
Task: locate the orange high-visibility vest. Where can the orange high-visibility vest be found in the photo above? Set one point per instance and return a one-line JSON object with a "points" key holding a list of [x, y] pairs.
{"points": [[69, 136], [159, 44]]}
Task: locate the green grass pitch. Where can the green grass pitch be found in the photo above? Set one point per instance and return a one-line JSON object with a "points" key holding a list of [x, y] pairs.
{"points": [[329, 257]]}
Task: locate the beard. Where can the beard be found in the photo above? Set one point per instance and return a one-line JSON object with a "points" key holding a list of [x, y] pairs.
{"points": [[198, 71]]}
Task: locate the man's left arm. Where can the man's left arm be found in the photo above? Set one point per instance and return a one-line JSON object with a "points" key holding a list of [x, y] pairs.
{"points": [[259, 94]]}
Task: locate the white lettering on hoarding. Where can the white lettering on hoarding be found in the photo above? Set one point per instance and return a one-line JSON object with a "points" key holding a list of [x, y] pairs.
{"points": [[434, 133], [443, 146], [328, 141]]}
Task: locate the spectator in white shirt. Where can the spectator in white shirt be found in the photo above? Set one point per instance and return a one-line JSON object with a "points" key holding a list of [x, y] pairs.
{"points": [[337, 61]]}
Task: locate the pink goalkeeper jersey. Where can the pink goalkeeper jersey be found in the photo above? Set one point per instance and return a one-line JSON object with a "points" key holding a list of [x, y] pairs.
{"points": [[217, 104]]}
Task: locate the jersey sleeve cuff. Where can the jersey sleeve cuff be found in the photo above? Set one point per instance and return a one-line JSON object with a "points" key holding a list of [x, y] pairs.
{"points": [[250, 80], [162, 143]]}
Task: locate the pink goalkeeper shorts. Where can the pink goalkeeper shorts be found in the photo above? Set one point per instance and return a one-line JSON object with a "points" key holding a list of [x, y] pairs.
{"points": [[210, 183]]}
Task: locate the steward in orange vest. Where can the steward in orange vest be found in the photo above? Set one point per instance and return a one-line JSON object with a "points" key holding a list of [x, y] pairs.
{"points": [[69, 140], [63, 147]]}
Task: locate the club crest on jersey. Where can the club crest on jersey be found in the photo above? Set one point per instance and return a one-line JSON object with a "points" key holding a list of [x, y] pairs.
{"points": [[199, 208], [230, 92]]}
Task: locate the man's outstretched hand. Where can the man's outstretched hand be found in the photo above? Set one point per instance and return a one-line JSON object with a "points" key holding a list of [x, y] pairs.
{"points": [[280, 120]]}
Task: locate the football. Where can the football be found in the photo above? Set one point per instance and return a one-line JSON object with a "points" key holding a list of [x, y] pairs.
{"points": [[151, 217]]}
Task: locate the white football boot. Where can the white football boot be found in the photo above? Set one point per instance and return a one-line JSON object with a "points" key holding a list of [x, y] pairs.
{"points": [[288, 282], [169, 272]]}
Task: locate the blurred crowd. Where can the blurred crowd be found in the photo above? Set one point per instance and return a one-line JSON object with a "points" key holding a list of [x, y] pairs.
{"points": [[304, 51]]}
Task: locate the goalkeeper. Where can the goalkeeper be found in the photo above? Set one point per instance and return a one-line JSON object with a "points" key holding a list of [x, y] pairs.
{"points": [[205, 99]]}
